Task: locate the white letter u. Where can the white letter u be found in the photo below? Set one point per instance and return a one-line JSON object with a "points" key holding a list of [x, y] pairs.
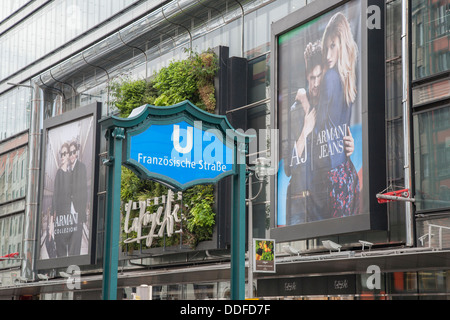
{"points": [[176, 139]]}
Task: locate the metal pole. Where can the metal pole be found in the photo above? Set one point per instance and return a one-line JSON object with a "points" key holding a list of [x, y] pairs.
{"points": [[112, 218], [31, 214], [406, 121], [250, 237], [238, 228], [242, 27]]}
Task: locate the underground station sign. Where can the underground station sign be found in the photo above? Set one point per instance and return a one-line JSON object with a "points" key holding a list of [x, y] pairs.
{"points": [[179, 146], [183, 154]]}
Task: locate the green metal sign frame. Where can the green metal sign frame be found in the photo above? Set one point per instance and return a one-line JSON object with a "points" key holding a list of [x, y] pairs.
{"points": [[118, 131]]}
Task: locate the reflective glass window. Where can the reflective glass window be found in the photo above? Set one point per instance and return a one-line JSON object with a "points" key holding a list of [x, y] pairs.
{"points": [[430, 37], [13, 174], [433, 282], [14, 111], [50, 27], [11, 230], [10, 7], [432, 158]]}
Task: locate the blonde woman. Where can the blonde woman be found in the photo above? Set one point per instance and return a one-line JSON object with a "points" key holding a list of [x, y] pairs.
{"points": [[338, 93]]}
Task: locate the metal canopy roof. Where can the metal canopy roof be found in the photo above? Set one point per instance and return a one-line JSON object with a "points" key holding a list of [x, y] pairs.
{"points": [[402, 262], [160, 31]]}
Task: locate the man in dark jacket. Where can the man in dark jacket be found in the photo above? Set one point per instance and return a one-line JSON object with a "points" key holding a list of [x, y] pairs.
{"points": [[79, 196]]}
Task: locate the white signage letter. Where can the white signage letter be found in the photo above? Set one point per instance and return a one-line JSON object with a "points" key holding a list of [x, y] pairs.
{"points": [[374, 280], [176, 139], [374, 21]]}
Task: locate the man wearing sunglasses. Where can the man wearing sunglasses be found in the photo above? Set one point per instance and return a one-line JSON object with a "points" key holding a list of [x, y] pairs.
{"points": [[79, 196]]}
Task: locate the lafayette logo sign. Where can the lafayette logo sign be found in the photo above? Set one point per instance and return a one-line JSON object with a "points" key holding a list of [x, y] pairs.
{"points": [[182, 153], [160, 223]]}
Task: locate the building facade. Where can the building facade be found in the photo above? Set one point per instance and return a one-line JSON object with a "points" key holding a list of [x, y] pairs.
{"points": [[60, 57]]}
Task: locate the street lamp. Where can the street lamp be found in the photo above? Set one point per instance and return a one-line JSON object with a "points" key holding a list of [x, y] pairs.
{"points": [[260, 170]]}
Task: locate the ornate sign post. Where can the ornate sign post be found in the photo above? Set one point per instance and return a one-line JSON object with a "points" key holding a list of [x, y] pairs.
{"points": [[179, 146]]}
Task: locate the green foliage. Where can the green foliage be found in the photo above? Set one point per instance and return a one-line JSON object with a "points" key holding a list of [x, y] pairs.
{"points": [[176, 83], [201, 217], [128, 95], [135, 189], [191, 79], [130, 185]]}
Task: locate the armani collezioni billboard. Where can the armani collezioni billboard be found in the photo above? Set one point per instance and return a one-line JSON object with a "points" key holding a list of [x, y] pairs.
{"points": [[68, 181]]}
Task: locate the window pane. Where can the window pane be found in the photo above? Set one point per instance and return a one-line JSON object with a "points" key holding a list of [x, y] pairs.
{"points": [[258, 79], [430, 37], [11, 231], [12, 177], [432, 158]]}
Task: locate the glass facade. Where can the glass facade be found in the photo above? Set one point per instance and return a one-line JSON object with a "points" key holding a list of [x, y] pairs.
{"points": [[9, 7], [50, 28], [409, 285], [13, 174], [14, 111], [432, 158], [13, 184], [11, 238], [430, 26], [162, 42], [430, 37], [60, 22]]}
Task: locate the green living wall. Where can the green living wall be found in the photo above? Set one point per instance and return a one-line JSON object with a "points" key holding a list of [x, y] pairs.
{"points": [[190, 79]]}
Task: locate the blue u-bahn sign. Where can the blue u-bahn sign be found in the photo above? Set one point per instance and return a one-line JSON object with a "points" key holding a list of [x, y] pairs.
{"points": [[179, 146], [181, 154]]}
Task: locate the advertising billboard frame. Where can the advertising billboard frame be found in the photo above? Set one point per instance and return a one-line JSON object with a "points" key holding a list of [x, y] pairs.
{"points": [[372, 216], [86, 115], [260, 264]]}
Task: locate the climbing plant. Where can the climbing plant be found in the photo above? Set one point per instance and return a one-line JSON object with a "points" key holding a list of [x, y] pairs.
{"points": [[128, 94], [190, 79]]}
